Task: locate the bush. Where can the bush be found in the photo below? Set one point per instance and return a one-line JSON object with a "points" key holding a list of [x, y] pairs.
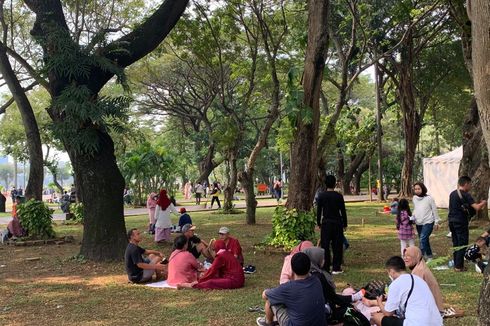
{"points": [[289, 227], [35, 217], [77, 210]]}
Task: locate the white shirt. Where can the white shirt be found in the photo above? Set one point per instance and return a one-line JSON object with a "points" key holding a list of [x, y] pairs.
{"points": [[425, 210], [163, 217], [199, 189], [421, 306]]}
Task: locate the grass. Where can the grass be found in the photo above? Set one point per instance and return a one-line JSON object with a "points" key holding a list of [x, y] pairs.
{"points": [[59, 289]]}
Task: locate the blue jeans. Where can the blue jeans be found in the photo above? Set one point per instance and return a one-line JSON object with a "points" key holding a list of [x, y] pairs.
{"points": [[424, 232]]}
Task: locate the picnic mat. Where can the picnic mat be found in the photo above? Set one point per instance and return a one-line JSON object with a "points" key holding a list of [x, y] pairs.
{"points": [[161, 284]]}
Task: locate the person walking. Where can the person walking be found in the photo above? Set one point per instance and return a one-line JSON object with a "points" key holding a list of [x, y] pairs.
{"points": [[199, 192], [426, 217], [461, 208], [215, 195], [332, 221], [404, 225]]}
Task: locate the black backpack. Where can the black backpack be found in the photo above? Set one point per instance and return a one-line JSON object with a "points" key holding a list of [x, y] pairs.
{"points": [[352, 317]]}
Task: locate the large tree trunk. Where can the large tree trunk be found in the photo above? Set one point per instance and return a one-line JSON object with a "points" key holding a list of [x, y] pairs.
{"points": [[34, 187], [412, 121], [246, 179], [304, 148], [480, 33], [54, 173], [207, 165], [475, 157], [358, 176], [101, 188], [353, 166], [340, 165], [231, 183]]}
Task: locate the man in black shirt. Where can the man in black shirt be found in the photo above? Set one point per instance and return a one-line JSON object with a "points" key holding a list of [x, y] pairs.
{"points": [[332, 219], [141, 269], [195, 245], [458, 219]]}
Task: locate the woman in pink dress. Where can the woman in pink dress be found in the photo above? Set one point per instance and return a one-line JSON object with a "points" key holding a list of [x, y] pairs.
{"points": [[151, 204]]}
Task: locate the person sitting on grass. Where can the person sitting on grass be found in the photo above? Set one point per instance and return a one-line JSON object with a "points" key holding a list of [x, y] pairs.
{"points": [[477, 254], [183, 267], [232, 244], [139, 268], [338, 303], [299, 302], [184, 218], [195, 245], [415, 262], [410, 301], [14, 227], [286, 272], [225, 272]]}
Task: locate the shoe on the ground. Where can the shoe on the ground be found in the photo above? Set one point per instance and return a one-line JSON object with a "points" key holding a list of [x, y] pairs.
{"points": [[337, 272], [464, 269], [250, 269], [262, 322]]}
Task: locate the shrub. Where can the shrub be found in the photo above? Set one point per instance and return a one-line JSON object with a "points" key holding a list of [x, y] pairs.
{"points": [[77, 210], [289, 227], [35, 217]]}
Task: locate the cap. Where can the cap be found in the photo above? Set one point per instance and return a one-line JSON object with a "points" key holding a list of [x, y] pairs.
{"points": [[224, 230], [188, 227], [182, 210]]}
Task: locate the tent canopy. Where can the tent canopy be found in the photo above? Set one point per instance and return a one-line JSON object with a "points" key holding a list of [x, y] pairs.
{"points": [[441, 175]]}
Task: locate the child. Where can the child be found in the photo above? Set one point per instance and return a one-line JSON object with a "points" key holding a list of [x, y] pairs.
{"points": [[394, 206], [475, 253], [184, 218], [404, 225]]}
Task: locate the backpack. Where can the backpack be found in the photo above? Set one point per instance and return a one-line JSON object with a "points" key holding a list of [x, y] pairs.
{"points": [[352, 317]]}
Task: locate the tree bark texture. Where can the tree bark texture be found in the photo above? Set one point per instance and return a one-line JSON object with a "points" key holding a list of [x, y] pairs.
{"points": [[304, 148], [358, 176], [231, 183], [475, 157], [475, 153], [207, 165], [99, 181], [479, 11], [351, 171], [412, 120], [34, 188], [246, 179]]}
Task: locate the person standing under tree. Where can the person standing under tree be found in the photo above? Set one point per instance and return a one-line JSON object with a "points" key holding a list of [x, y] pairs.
{"points": [[426, 217], [332, 221], [215, 195], [461, 208], [278, 189]]}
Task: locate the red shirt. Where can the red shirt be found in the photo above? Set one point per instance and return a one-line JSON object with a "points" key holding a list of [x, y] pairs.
{"points": [[225, 265], [233, 246]]}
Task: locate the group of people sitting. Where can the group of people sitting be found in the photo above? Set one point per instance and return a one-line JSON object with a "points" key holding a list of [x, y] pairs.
{"points": [[307, 294], [223, 268]]}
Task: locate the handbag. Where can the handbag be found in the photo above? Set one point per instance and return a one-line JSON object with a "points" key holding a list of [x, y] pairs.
{"points": [[468, 211]]}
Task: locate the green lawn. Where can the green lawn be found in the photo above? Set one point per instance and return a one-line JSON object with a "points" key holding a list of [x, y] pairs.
{"points": [[58, 289]]}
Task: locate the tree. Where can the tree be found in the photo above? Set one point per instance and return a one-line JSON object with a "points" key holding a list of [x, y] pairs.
{"points": [[422, 28], [6, 174], [475, 152], [36, 174], [304, 147], [479, 13], [78, 64]]}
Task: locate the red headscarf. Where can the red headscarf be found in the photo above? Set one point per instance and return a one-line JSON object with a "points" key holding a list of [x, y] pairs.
{"points": [[163, 200]]}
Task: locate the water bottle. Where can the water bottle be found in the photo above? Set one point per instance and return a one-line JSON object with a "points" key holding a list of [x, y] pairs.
{"points": [[450, 264]]}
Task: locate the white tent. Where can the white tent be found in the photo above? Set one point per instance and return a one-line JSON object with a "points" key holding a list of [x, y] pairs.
{"points": [[441, 175]]}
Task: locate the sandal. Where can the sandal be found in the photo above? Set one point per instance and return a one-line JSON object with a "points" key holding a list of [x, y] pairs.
{"points": [[256, 309], [452, 313]]}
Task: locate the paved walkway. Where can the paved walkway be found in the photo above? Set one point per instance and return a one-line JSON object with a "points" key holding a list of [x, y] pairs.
{"points": [[262, 202]]}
